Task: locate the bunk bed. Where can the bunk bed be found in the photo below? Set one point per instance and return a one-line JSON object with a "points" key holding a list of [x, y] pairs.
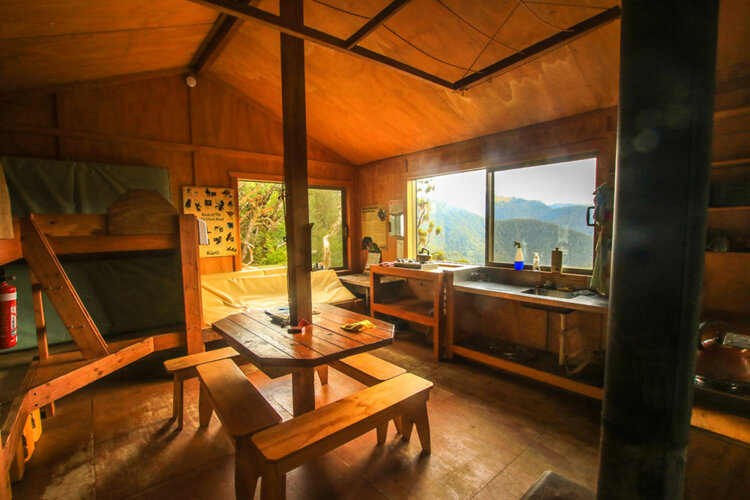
{"points": [[138, 223]]}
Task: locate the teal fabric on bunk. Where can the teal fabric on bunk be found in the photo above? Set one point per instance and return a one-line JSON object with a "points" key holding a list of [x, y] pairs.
{"points": [[122, 293], [66, 187]]}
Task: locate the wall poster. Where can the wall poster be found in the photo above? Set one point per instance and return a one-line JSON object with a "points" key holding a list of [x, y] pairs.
{"points": [[374, 225], [218, 209]]}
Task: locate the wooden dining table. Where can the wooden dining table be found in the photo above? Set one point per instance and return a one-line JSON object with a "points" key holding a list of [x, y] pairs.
{"points": [[276, 352]]}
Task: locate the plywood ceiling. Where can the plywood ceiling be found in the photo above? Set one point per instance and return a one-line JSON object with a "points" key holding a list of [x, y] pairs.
{"points": [[360, 109], [46, 42], [366, 112]]}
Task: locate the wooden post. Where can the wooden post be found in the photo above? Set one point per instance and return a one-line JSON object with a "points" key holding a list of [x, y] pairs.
{"points": [[299, 252], [41, 324], [303, 391], [667, 71], [191, 283], [41, 330]]}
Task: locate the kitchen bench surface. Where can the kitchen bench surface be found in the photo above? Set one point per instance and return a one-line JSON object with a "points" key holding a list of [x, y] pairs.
{"points": [[594, 303]]}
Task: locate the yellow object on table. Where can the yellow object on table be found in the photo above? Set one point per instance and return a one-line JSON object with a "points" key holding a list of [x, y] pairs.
{"points": [[358, 326]]}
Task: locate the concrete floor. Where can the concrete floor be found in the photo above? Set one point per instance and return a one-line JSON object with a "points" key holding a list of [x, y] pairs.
{"points": [[492, 436]]}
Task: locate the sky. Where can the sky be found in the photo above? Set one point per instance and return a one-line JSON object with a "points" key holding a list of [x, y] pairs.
{"points": [[569, 182]]}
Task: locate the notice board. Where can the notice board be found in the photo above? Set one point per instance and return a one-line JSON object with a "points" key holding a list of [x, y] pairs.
{"points": [[218, 209], [375, 225]]}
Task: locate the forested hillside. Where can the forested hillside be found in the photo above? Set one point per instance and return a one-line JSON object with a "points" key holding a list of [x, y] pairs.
{"points": [[567, 216], [539, 227]]}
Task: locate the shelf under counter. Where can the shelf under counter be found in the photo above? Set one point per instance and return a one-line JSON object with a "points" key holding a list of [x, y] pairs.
{"points": [[422, 308], [541, 366], [415, 310]]}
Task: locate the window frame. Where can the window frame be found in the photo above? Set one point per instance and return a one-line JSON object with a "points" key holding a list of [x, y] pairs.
{"points": [[411, 213], [345, 187], [489, 226]]}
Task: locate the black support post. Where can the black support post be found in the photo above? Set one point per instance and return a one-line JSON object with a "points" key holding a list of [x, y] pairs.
{"points": [[667, 70]]}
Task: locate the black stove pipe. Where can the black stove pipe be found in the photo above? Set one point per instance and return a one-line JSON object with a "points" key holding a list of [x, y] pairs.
{"points": [[667, 71]]}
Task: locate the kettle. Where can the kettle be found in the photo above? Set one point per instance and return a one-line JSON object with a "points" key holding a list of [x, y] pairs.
{"points": [[423, 255], [718, 361]]}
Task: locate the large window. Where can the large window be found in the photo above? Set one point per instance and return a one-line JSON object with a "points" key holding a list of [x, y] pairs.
{"points": [[543, 207], [263, 229], [450, 216]]}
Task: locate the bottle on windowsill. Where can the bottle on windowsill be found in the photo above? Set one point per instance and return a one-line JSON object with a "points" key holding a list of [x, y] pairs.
{"points": [[518, 261], [535, 263], [556, 263]]}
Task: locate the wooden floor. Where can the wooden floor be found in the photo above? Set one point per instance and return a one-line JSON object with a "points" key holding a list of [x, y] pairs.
{"points": [[492, 436]]}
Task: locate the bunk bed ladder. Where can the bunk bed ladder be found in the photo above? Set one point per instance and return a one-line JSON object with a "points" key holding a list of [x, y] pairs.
{"points": [[55, 283]]}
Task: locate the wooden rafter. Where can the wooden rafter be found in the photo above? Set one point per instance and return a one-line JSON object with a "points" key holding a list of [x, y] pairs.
{"points": [[267, 19], [249, 13], [225, 28], [376, 21], [539, 49]]}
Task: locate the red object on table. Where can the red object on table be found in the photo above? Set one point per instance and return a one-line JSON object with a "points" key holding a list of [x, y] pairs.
{"points": [[276, 352]]}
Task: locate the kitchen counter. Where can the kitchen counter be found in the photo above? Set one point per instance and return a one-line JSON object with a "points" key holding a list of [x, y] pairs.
{"points": [[492, 321], [593, 303]]}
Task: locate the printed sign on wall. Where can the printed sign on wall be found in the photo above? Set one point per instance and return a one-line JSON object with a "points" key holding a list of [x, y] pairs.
{"points": [[217, 207], [374, 225]]}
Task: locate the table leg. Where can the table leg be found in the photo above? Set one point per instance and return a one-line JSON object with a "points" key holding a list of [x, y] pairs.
{"points": [[303, 391]]}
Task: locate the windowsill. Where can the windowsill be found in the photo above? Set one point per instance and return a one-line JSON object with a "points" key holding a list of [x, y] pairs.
{"points": [[544, 269]]}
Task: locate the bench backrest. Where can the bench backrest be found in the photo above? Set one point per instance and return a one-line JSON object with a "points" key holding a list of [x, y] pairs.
{"points": [[240, 407], [302, 438]]}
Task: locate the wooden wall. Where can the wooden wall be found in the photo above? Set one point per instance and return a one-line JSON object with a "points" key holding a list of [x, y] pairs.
{"points": [[200, 134], [726, 277], [593, 132]]}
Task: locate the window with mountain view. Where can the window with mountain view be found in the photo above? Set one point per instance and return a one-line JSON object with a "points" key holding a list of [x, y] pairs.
{"points": [[450, 216], [544, 207], [262, 225]]}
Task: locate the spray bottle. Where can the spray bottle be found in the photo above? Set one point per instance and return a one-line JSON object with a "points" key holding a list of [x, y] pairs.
{"points": [[518, 261]]}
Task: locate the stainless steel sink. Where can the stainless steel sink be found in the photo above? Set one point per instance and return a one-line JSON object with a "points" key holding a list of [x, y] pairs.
{"points": [[550, 293]]}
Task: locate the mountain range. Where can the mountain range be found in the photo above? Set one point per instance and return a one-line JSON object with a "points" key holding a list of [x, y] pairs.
{"points": [[539, 227]]}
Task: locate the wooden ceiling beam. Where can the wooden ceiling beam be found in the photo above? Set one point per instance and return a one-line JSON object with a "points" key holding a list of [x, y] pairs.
{"points": [[88, 84], [375, 22], [250, 13], [539, 49], [224, 29], [154, 143]]}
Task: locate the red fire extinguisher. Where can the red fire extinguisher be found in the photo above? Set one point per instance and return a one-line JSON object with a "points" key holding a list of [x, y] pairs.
{"points": [[8, 326]]}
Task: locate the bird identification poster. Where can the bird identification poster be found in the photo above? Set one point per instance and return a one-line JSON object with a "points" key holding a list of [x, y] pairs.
{"points": [[218, 209], [374, 225]]}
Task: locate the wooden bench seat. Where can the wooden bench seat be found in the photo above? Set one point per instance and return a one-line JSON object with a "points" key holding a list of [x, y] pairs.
{"points": [[367, 369], [242, 411], [184, 368], [279, 449]]}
